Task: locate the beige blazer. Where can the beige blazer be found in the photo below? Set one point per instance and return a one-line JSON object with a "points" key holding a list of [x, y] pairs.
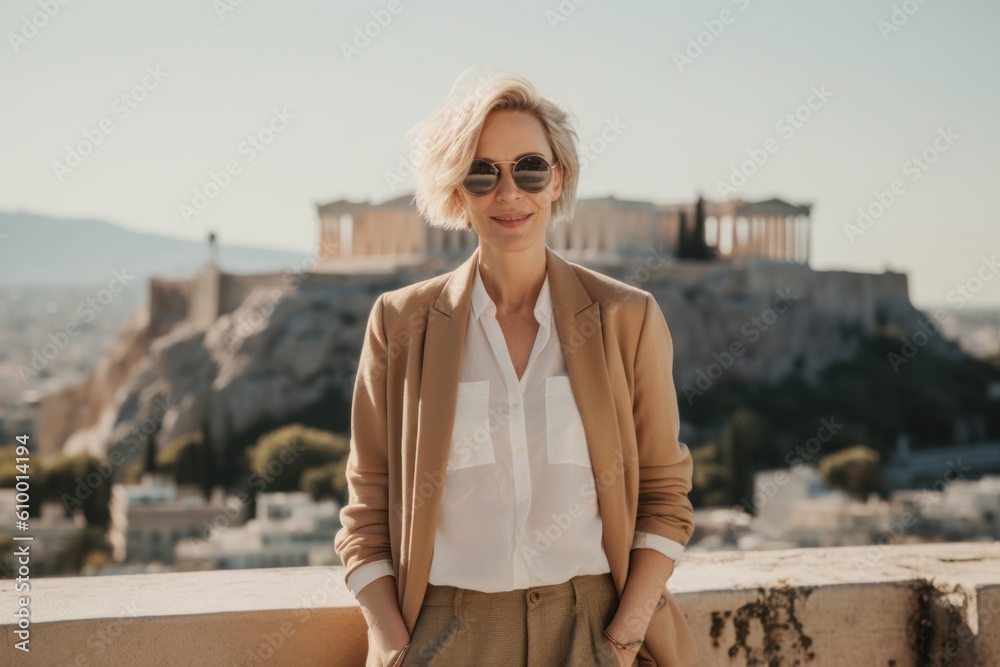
{"points": [[619, 357]]}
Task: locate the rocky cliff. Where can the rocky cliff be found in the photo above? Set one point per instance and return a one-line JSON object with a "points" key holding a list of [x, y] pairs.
{"points": [[288, 349]]}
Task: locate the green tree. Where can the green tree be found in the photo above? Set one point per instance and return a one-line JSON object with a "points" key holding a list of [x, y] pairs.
{"points": [[691, 244], [279, 458], [328, 481], [78, 481], [190, 460], [855, 470], [745, 438], [711, 481]]}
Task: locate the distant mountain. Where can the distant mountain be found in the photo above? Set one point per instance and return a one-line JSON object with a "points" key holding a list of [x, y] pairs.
{"points": [[39, 250]]}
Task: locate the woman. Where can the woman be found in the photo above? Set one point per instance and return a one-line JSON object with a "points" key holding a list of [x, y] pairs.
{"points": [[518, 494]]}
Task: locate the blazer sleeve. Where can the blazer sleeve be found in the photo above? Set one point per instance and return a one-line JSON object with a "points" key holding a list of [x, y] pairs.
{"points": [[665, 516], [363, 539]]}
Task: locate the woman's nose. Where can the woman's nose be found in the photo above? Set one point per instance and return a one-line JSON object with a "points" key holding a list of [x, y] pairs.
{"points": [[506, 188]]}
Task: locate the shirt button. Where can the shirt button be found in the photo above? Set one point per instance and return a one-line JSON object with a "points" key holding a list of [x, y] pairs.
{"points": [[518, 450], [522, 496], [517, 406]]}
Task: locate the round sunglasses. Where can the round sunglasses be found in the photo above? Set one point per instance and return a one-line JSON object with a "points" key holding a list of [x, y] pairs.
{"points": [[531, 173]]}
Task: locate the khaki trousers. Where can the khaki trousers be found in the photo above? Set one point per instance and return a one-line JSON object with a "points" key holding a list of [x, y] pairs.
{"points": [[560, 625]]}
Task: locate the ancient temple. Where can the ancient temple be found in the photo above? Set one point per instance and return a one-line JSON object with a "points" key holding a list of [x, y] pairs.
{"points": [[771, 229]]}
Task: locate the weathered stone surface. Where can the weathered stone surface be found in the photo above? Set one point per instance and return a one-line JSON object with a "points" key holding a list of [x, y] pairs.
{"points": [[933, 604]]}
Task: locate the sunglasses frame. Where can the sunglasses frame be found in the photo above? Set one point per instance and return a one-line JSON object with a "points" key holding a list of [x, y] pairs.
{"points": [[514, 162]]}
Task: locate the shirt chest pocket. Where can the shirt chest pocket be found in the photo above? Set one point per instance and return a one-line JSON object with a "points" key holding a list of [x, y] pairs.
{"points": [[472, 439], [565, 439]]}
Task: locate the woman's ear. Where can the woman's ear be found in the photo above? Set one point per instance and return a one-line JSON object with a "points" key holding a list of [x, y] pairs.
{"points": [[557, 179], [464, 206]]}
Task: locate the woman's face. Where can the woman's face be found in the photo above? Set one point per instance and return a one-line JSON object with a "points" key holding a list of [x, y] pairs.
{"points": [[509, 135]]}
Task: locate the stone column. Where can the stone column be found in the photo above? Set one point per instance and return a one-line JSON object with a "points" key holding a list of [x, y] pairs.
{"points": [[803, 239], [796, 240], [782, 222]]}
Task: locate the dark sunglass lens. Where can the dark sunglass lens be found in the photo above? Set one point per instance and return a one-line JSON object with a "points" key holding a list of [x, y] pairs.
{"points": [[532, 173], [481, 178]]}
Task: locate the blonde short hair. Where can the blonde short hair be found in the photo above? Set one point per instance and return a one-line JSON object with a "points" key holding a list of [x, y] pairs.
{"points": [[443, 145]]}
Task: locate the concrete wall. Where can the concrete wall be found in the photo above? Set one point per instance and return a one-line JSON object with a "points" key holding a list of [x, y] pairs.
{"points": [[879, 605]]}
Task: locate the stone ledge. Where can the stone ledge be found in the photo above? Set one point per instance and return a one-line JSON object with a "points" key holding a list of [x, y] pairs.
{"points": [[904, 605]]}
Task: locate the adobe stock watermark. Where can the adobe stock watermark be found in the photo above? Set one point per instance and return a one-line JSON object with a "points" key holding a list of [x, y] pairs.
{"points": [[796, 458], [460, 453], [254, 321], [224, 7], [259, 652], [752, 330], [105, 636], [961, 294], [967, 290], [121, 108], [701, 41], [234, 505], [901, 524], [562, 12], [950, 652], [32, 24], [899, 17], [591, 325], [915, 167], [104, 470], [87, 310], [418, 150], [917, 341], [786, 126], [248, 150], [593, 149], [365, 33], [545, 538], [405, 167]]}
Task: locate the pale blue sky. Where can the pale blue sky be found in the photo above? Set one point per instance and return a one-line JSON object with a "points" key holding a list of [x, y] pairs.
{"points": [[607, 60]]}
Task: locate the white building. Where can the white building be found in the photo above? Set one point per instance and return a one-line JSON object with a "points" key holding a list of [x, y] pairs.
{"points": [[968, 508], [290, 530], [158, 515], [794, 508]]}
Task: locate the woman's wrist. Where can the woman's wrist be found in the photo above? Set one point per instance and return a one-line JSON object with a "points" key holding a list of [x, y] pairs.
{"points": [[621, 643], [628, 625], [400, 655]]}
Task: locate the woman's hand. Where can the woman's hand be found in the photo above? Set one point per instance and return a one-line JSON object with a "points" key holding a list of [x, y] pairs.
{"points": [[387, 633], [392, 650], [397, 656], [626, 658]]}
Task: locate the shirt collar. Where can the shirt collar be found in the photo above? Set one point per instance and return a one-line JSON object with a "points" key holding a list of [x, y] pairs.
{"points": [[483, 304]]}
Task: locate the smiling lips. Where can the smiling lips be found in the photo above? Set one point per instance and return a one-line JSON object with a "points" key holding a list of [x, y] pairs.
{"points": [[511, 217]]}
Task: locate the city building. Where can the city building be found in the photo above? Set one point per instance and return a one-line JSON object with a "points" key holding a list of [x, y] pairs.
{"points": [[290, 529], [158, 515]]}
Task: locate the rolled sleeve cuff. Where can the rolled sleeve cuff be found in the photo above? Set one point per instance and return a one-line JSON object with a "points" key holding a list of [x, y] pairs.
{"points": [[368, 573], [665, 546]]}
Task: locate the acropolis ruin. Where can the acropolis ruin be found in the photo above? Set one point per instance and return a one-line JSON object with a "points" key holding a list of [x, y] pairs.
{"points": [[771, 229]]}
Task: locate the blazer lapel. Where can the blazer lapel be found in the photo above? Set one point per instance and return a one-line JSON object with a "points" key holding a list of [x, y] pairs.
{"points": [[441, 369], [581, 334]]}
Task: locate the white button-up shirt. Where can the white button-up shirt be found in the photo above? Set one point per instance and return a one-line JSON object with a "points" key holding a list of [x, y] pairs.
{"points": [[519, 506]]}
